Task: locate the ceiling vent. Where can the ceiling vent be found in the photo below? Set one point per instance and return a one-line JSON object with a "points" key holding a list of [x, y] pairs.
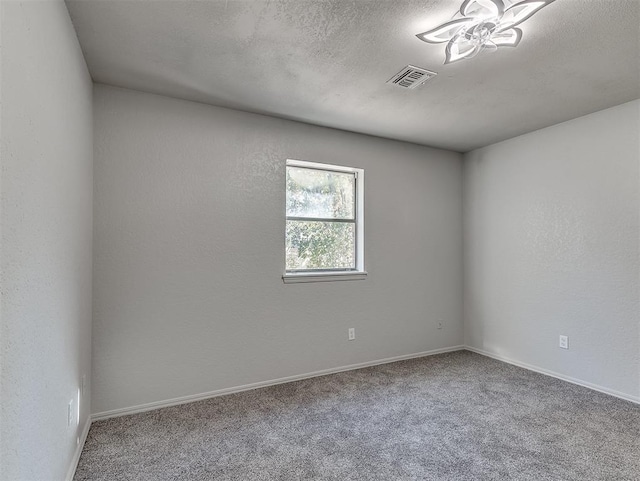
{"points": [[411, 77]]}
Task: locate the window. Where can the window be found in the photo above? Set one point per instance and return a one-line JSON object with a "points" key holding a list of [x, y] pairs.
{"points": [[324, 237]]}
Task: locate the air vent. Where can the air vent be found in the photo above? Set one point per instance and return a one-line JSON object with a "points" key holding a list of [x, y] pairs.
{"points": [[411, 77]]}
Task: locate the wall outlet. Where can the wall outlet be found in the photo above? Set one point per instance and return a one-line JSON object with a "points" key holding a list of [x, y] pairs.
{"points": [[78, 401], [352, 333], [70, 413], [439, 324], [564, 342], [83, 384]]}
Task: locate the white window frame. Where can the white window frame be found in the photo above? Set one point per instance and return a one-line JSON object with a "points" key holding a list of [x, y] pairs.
{"points": [[336, 275]]}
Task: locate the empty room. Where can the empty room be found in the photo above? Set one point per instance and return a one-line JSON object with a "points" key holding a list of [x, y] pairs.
{"points": [[354, 240]]}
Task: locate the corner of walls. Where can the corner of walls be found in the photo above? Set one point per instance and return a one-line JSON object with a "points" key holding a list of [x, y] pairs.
{"points": [[463, 254]]}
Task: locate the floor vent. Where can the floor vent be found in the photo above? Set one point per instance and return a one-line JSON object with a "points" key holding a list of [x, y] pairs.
{"points": [[411, 77]]}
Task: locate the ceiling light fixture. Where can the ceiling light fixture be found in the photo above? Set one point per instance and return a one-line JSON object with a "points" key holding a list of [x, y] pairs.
{"points": [[483, 25]]}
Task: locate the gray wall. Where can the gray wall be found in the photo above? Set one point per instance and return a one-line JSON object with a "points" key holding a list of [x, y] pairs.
{"points": [[46, 221], [551, 247], [189, 251]]}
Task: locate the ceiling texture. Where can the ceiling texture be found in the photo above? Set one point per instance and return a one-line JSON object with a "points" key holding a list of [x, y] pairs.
{"points": [[325, 62]]}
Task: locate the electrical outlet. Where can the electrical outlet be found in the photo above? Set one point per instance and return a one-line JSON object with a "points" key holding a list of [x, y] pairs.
{"points": [[78, 408], [70, 413], [564, 342], [352, 333], [440, 324], [83, 384]]}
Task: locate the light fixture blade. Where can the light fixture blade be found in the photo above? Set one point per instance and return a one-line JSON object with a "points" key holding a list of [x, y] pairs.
{"points": [[508, 38], [444, 32], [457, 49], [489, 47], [482, 8], [519, 12]]}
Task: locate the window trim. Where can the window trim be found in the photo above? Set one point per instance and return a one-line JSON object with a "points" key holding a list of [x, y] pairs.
{"points": [[324, 275]]}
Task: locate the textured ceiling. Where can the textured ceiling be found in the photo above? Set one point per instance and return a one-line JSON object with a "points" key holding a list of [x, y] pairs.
{"points": [[326, 62]]}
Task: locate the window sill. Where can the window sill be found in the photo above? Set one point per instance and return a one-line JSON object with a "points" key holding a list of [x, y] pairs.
{"points": [[324, 277]]}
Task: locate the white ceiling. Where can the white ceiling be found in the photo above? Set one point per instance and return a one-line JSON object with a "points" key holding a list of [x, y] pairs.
{"points": [[326, 62]]}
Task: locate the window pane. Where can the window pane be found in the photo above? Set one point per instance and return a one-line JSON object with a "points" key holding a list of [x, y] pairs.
{"points": [[320, 193], [320, 245]]}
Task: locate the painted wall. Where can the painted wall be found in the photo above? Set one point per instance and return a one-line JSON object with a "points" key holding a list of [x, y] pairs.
{"points": [[552, 247], [189, 251], [46, 222]]}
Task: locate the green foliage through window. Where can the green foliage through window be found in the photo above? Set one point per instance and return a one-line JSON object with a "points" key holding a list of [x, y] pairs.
{"points": [[321, 219]]}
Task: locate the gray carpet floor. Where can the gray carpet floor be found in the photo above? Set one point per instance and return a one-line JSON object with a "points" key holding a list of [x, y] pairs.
{"points": [[456, 416]]}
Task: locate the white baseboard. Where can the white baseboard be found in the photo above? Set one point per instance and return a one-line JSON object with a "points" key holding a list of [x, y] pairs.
{"points": [[76, 455], [247, 387], [579, 382]]}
